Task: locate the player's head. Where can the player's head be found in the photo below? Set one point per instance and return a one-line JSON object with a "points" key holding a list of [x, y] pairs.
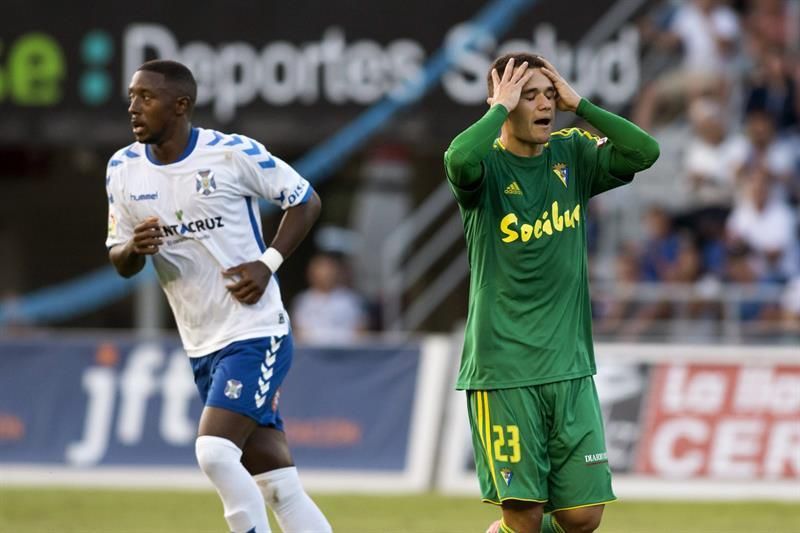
{"points": [[532, 120], [162, 94], [324, 272]]}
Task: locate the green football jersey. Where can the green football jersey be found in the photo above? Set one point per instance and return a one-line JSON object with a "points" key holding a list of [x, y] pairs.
{"points": [[529, 316]]}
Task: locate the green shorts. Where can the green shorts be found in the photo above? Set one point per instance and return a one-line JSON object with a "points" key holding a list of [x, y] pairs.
{"points": [[543, 443]]}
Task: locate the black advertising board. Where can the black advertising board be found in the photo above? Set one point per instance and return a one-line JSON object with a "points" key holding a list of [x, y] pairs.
{"points": [[294, 71]]}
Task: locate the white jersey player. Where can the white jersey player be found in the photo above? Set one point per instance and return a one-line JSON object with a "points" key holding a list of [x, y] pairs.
{"points": [[207, 206], [188, 198]]}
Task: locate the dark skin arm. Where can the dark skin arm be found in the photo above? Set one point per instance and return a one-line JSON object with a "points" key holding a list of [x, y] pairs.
{"points": [[129, 258], [251, 278]]}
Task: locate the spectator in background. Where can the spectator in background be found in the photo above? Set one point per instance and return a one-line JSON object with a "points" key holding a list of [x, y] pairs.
{"points": [[705, 33], [772, 23], [614, 308], [708, 174], [686, 273], [708, 182], [661, 246], [743, 267], [772, 89], [695, 311], [328, 311], [760, 147], [765, 223]]}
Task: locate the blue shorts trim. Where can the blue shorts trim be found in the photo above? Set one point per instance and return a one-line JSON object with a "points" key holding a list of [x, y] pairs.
{"points": [[245, 377]]}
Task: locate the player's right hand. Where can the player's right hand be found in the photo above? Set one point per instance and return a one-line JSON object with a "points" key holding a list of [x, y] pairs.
{"points": [[147, 237], [508, 88]]}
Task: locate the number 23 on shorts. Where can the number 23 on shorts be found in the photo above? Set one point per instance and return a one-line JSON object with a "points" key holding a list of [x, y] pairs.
{"points": [[506, 443]]}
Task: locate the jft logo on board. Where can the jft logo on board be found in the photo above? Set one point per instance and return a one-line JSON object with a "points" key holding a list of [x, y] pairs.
{"points": [[121, 398]]}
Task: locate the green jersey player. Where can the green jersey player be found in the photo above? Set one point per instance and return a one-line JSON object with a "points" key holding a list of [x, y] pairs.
{"points": [[528, 361]]}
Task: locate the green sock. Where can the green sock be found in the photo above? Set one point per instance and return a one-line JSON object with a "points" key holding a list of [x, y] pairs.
{"points": [[549, 524]]}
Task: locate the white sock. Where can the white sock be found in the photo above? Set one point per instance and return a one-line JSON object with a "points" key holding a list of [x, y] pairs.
{"points": [[293, 509], [219, 459]]}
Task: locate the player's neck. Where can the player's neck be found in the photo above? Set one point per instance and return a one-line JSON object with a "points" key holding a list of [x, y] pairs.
{"points": [[518, 147], [171, 149]]}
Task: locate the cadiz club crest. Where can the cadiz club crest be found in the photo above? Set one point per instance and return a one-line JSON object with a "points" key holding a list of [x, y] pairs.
{"points": [[562, 172], [204, 182]]}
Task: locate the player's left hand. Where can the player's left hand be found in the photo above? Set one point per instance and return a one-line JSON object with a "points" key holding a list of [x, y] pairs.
{"points": [[568, 99], [252, 281]]}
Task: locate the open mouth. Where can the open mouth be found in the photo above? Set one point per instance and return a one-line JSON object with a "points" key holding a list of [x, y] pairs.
{"points": [[137, 127], [542, 122]]}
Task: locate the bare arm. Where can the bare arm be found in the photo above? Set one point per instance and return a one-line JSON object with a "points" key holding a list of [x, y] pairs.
{"points": [[253, 276], [129, 258], [295, 225]]}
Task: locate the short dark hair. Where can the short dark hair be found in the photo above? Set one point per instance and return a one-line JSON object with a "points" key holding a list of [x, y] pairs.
{"points": [[176, 74], [534, 61]]}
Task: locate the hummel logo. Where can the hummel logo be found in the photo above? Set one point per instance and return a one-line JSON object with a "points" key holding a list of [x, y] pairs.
{"points": [[513, 188]]}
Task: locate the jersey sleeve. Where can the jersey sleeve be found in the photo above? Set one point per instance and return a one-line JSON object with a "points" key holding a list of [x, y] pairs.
{"points": [[626, 150], [595, 153], [463, 160], [120, 224], [264, 175]]}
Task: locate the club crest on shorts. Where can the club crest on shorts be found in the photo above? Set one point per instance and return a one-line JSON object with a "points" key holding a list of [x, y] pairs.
{"points": [[233, 389], [204, 182], [507, 475]]}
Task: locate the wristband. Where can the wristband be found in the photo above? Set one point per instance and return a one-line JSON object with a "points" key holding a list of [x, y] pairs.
{"points": [[272, 258]]}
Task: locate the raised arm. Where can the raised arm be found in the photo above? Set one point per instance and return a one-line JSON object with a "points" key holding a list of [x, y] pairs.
{"points": [[632, 150], [462, 160]]}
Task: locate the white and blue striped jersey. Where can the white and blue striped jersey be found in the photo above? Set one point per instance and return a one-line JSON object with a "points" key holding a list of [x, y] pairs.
{"points": [[207, 204]]}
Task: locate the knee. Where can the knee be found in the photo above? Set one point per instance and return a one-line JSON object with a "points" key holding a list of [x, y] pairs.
{"points": [[214, 453], [583, 520], [522, 516]]}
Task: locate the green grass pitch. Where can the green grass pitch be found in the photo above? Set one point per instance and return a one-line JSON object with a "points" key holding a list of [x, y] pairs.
{"points": [[37, 510]]}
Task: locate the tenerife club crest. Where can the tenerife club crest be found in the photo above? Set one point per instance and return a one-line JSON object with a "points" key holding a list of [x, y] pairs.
{"points": [[561, 170], [233, 389], [204, 182]]}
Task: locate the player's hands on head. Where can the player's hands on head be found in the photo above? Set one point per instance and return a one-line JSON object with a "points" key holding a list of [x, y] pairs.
{"points": [[147, 237], [508, 88], [250, 281], [568, 99]]}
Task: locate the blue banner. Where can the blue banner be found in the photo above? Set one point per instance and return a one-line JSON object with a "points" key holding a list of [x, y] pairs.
{"points": [[350, 408], [78, 401]]}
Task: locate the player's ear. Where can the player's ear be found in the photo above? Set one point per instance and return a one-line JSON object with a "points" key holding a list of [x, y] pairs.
{"points": [[183, 105]]}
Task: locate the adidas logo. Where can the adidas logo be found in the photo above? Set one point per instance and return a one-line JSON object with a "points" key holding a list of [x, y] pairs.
{"points": [[513, 188]]}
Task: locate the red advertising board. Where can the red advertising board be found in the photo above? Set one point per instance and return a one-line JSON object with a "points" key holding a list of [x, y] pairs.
{"points": [[722, 421]]}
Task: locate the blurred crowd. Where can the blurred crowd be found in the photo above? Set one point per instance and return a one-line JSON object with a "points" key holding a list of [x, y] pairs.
{"points": [[723, 101]]}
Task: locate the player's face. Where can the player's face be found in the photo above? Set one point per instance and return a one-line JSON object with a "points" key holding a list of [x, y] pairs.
{"points": [[532, 120], [152, 106]]}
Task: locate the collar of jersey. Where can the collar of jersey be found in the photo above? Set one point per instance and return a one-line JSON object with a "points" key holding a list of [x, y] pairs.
{"points": [[520, 160], [186, 151]]}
